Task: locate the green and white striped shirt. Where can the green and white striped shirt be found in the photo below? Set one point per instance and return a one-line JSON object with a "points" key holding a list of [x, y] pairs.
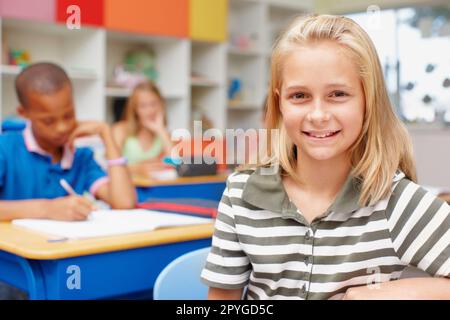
{"points": [[262, 241]]}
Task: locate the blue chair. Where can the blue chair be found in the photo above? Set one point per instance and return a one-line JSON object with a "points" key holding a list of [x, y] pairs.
{"points": [[180, 279], [13, 124]]}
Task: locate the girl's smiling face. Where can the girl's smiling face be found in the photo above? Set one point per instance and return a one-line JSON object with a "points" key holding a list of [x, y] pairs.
{"points": [[321, 100]]}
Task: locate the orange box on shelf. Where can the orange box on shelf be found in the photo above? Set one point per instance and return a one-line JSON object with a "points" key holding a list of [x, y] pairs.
{"points": [[156, 17], [91, 11]]}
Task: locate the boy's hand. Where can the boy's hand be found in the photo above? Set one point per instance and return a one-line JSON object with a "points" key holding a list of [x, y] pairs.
{"points": [[70, 208], [87, 128]]}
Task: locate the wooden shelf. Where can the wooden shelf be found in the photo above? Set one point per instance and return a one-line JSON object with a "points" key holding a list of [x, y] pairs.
{"points": [[114, 92], [11, 70], [203, 82], [8, 70], [243, 106], [117, 92]]}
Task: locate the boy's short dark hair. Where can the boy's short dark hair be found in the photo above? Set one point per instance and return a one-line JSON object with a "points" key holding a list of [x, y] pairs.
{"points": [[42, 77]]}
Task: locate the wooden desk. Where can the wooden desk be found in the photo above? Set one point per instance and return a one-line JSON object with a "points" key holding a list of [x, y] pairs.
{"points": [[146, 182], [108, 267]]}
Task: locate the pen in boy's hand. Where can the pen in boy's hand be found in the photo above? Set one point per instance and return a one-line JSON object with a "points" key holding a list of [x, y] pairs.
{"points": [[66, 186], [72, 192]]}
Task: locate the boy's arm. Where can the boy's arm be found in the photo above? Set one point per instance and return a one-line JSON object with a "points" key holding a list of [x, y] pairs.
{"points": [[119, 192], [224, 294], [119, 134], [34, 209], [64, 208]]}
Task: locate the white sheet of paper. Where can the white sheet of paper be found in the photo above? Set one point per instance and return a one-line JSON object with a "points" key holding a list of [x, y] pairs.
{"points": [[104, 223]]}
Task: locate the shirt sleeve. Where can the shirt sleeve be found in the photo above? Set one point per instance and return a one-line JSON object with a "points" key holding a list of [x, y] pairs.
{"points": [[95, 176], [2, 170], [227, 265], [419, 223]]}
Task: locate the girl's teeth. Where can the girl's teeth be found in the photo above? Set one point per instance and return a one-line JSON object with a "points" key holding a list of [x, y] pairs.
{"points": [[324, 136]]}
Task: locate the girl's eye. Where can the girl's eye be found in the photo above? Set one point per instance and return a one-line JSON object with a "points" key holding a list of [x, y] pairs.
{"points": [[298, 96], [339, 94]]}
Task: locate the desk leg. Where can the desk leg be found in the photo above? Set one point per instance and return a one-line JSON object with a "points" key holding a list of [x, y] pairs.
{"points": [[22, 273]]}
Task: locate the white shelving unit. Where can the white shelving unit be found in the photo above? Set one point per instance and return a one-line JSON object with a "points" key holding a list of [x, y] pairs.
{"points": [[172, 67], [208, 85], [80, 52], [193, 76], [254, 26]]}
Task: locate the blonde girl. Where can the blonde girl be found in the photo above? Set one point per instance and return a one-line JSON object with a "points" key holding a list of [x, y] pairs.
{"points": [[142, 134], [343, 216]]}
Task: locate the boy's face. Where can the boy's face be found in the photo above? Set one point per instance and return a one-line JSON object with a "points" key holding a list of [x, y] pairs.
{"points": [[322, 101], [52, 117]]}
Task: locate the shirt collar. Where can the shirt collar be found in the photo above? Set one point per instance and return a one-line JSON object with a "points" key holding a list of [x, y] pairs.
{"points": [[267, 192], [32, 146]]}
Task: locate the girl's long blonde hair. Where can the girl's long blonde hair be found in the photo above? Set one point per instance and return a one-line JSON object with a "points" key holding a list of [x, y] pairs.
{"points": [[384, 145], [130, 115]]}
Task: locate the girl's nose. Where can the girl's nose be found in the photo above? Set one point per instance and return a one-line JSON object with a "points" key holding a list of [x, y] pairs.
{"points": [[318, 113]]}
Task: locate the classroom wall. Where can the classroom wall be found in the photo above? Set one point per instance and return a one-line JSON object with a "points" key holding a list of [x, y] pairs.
{"points": [[42, 10], [348, 6], [432, 154], [292, 3]]}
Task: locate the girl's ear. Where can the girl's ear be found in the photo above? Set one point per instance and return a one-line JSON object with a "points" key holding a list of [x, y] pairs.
{"points": [[277, 97]]}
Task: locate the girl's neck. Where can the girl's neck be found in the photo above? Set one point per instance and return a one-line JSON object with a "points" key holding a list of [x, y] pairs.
{"points": [[325, 177], [145, 133]]}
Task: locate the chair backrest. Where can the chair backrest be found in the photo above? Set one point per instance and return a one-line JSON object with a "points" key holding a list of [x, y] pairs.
{"points": [[13, 124], [180, 279]]}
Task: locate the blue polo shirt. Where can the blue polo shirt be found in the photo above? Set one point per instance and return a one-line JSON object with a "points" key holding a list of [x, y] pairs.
{"points": [[27, 172]]}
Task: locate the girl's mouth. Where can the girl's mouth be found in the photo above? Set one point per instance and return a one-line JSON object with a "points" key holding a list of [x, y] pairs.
{"points": [[322, 135]]}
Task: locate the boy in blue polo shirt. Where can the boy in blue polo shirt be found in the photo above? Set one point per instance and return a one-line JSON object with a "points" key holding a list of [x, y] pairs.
{"points": [[33, 162]]}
